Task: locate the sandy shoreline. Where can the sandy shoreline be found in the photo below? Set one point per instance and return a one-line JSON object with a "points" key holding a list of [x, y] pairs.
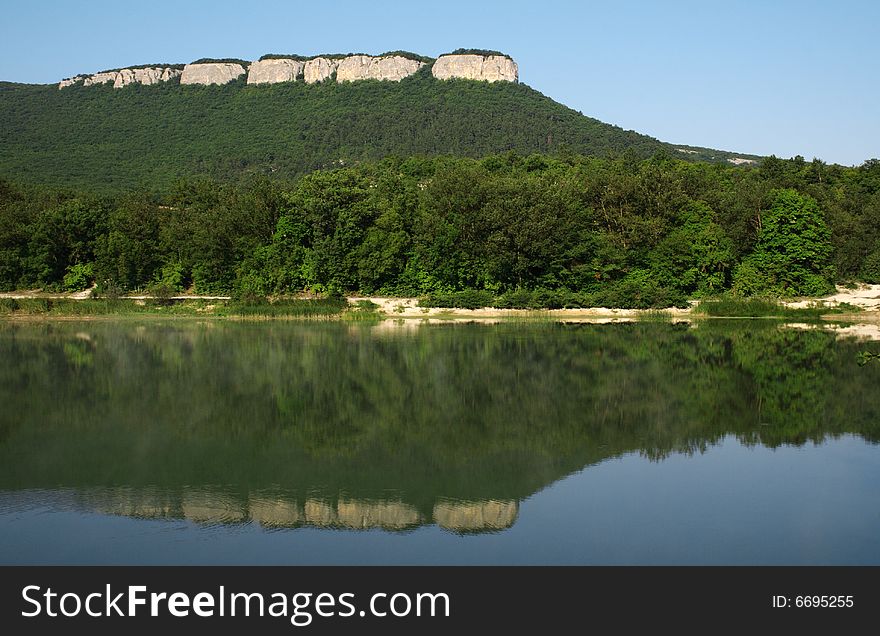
{"points": [[864, 297]]}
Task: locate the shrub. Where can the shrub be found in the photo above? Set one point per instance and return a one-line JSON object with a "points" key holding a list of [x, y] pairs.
{"points": [[79, 277]]}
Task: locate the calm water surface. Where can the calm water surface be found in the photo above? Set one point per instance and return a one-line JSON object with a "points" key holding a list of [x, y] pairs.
{"points": [[214, 442]]}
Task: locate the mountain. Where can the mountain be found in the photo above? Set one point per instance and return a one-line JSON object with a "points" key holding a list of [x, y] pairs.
{"points": [[103, 138]]}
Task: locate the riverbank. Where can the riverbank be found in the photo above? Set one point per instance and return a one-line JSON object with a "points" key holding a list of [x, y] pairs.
{"points": [[860, 303]]}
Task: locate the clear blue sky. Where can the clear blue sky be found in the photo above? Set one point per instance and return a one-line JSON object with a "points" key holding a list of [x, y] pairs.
{"points": [[783, 77]]}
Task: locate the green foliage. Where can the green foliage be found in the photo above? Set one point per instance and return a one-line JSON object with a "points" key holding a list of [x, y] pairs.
{"points": [[305, 58], [62, 235], [536, 231], [754, 307], [466, 299], [484, 52], [870, 272], [408, 55], [129, 254], [78, 277], [793, 255], [865, 357], [178, 67], [172, 276], [101, 138], [223, 60], [257, 307], [695, 257]]}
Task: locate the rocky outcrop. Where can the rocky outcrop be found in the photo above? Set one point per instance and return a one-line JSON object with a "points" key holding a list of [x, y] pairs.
{"points": [[490, 68], [274, 71], [361, 67], [148, 76], [211, 73], [71, 81], [318, 69], [125, 76], [100, 78]]}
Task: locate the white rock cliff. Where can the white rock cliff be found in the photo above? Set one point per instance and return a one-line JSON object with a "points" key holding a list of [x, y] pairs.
{"points": [[211, 73], [491, 68], [319, 69], [71, 81], [100, 78], [148, 76], [274, 71], [125, 76], [360, 67]]}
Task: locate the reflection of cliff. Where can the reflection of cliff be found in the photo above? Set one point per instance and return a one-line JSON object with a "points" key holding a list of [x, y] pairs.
{"points": [[474, 515], [211, 506], [330, 418]]}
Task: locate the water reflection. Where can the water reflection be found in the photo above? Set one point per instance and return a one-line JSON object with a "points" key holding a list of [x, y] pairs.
{"points": [[212, 506], [340, 426]]}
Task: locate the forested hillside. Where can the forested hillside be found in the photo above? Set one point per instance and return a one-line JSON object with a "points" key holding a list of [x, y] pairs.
{"points": [[105, 139]]}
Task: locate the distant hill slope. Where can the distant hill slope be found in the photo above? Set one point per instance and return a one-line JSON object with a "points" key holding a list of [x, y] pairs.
{"points": [[103, 138]]}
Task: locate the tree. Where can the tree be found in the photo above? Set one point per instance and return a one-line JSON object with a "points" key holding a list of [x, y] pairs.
{"points": [[696, 257], [793, 253], [128, 255]]}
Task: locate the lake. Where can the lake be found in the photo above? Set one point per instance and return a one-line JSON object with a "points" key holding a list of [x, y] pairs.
{"points": [[219, 442]]}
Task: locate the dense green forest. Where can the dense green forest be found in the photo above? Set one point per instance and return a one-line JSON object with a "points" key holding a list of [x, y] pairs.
{"points": [[98, 137], [533, 230]]}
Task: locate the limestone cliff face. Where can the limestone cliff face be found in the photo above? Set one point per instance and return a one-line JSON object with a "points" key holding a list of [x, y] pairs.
{"points": [[274, 71], [147, 76], [125, 76], [360, 67], [100, 78], [211, 73], [71, 81], [491, 68], [319, 69]]}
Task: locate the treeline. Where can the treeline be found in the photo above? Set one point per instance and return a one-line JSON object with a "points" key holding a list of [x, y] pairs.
{"points": [[556, 231]]}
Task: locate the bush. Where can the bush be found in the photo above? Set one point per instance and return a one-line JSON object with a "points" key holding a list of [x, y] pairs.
{"points": [[515, 299], [172, 275], [639, 290], [749, 280], [79, 277], [467, 299]]}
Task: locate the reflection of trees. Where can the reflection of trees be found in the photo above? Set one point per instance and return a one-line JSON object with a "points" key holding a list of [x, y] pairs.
{"points": [[790, 371], [460, 412]]}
